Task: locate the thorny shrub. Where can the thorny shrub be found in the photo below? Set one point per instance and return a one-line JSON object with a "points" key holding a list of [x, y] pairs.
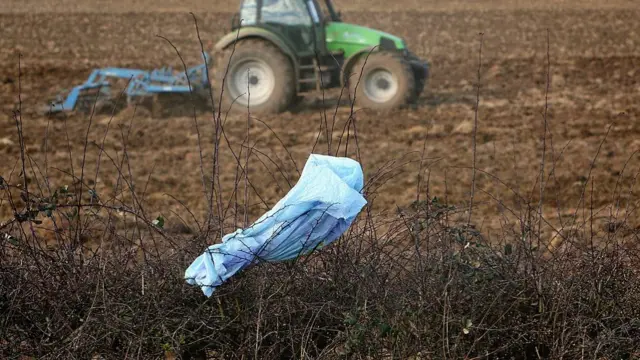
{"points": [[446, 294]]}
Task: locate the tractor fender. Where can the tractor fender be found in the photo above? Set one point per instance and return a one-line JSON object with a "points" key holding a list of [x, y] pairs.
{"points": [[351, 61], [255, 32]]}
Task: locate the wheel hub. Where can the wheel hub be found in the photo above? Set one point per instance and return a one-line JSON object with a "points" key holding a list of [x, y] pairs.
{"points": [[383, 84], [251, 81], [380, 85]]}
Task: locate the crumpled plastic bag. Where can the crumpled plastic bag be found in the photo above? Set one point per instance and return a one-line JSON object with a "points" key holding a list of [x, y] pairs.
{"points": [[314, 213]]}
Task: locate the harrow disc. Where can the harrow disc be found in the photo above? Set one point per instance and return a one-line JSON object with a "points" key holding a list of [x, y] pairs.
{"points": [[100, 97]]}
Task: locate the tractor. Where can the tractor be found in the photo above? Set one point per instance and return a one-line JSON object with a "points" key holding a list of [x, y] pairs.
{"points": [[279, 50]]}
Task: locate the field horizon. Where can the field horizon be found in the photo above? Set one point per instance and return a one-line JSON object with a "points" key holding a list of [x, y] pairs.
{"points": [[148, 6]]}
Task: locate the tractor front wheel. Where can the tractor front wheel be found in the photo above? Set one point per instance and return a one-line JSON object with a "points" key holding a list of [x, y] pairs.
{"points": [[382, 81], [256, 76]]}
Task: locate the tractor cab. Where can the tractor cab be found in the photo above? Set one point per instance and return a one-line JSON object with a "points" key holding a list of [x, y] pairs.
{"points": [[295, 10], [300, 23]]}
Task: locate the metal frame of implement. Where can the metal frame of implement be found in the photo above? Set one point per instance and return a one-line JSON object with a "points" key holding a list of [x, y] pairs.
{"points": [[143, 83]]}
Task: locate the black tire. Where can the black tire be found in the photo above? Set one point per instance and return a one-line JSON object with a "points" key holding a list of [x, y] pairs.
{"points": [[419, 75], [272, 59], [420, 81], [393, 63]]}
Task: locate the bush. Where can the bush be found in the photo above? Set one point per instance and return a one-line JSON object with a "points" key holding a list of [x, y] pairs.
{"points": [[417, 286]]}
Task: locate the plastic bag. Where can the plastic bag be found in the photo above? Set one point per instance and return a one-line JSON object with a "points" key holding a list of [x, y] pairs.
{"points": [[314, 213]]}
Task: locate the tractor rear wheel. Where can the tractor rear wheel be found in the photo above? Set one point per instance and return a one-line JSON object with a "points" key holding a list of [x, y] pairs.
{"points": [[257, 74], [382, 81]]}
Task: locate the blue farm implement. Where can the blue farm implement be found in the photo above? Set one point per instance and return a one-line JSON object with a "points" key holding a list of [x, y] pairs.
{"points": [[144, 87]]}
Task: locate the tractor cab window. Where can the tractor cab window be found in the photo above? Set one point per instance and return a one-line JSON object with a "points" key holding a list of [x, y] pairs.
{"points": [[285, 12], [248, 13], [281, 12], [292, 20]]}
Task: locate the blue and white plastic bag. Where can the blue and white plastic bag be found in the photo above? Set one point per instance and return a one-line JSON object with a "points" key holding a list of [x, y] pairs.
{"points": [[314, 213]]}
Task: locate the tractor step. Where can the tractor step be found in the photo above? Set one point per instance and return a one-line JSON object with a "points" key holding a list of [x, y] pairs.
{"points": [[311, 74], [315, 67]]}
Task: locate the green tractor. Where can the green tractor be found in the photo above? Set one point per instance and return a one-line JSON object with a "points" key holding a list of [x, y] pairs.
{"points": [[278, 50]]}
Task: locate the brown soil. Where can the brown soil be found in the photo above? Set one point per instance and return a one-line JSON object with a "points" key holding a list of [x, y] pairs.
{"points": [[595, 83]]}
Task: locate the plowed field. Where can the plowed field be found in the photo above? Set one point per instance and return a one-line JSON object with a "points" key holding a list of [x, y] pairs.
{"points": [[594, 53]]}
